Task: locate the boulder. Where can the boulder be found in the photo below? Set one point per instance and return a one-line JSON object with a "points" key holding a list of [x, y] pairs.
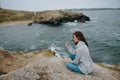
{"points": [[58, 17]]}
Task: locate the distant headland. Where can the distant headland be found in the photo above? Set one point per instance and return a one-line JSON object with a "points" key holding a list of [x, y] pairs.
{"points": [[52, 17]]}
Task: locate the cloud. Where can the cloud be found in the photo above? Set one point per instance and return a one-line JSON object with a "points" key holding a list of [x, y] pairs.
{"points": [[35, 5]]}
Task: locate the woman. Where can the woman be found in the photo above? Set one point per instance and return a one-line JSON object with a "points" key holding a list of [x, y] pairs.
{"points": [[81, 60]]}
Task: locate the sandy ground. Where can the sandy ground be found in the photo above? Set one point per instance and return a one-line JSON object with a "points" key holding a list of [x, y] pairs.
{"points": [[14, 23]]}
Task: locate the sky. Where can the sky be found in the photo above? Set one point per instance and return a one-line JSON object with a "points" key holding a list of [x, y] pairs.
{"points": [[40, 5]]}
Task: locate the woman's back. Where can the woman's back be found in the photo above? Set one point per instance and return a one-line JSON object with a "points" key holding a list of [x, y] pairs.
{"points": [[83, 58]]}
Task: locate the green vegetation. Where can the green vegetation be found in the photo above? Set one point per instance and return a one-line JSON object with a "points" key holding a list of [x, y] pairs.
{"points": [[12, 15], [48, 53]]}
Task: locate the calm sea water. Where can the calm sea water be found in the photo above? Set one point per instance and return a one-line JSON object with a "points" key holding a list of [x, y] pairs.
{"points": [[102, 34]]}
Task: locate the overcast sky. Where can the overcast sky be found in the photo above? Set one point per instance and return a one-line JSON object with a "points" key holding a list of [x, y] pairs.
{"points": [[38, 5]]}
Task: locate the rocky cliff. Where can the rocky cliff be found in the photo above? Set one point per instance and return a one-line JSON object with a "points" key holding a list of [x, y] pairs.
{"points": [[52, 17], [57, 17], [42, 65]]}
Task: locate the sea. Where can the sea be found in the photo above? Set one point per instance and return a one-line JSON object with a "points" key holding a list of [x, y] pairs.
{"points": [[102, 34]]}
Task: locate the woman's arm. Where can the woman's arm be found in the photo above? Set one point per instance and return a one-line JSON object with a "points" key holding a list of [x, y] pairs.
{"points": [[81, 52], [70, 48]]}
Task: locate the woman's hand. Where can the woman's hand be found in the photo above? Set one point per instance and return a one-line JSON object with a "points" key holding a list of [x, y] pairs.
{"points": [[67, 44]]}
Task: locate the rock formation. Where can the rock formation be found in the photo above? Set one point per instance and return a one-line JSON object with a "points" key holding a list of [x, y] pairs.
{"points": [[58, 17]]}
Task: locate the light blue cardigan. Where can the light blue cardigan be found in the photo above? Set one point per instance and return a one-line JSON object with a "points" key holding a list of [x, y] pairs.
{"points": [[82, 59]]}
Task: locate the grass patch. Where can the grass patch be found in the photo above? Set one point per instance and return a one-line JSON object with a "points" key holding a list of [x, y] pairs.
{"points": [[49, 53], [14, 15]]}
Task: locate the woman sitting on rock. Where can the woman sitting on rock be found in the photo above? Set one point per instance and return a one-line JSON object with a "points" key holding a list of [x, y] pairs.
{"points": [[81, 60]]}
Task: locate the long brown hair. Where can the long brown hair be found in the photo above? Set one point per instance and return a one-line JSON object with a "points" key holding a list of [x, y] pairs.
{"points": [[80, 36]]}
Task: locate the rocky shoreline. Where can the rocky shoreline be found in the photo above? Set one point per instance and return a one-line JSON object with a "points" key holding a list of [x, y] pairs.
{"points": [[43, 65], [50, 17], [57, 17]]}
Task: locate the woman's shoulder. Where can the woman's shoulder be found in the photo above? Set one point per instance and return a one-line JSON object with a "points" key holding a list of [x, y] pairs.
{"points": [[83, 48]]}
